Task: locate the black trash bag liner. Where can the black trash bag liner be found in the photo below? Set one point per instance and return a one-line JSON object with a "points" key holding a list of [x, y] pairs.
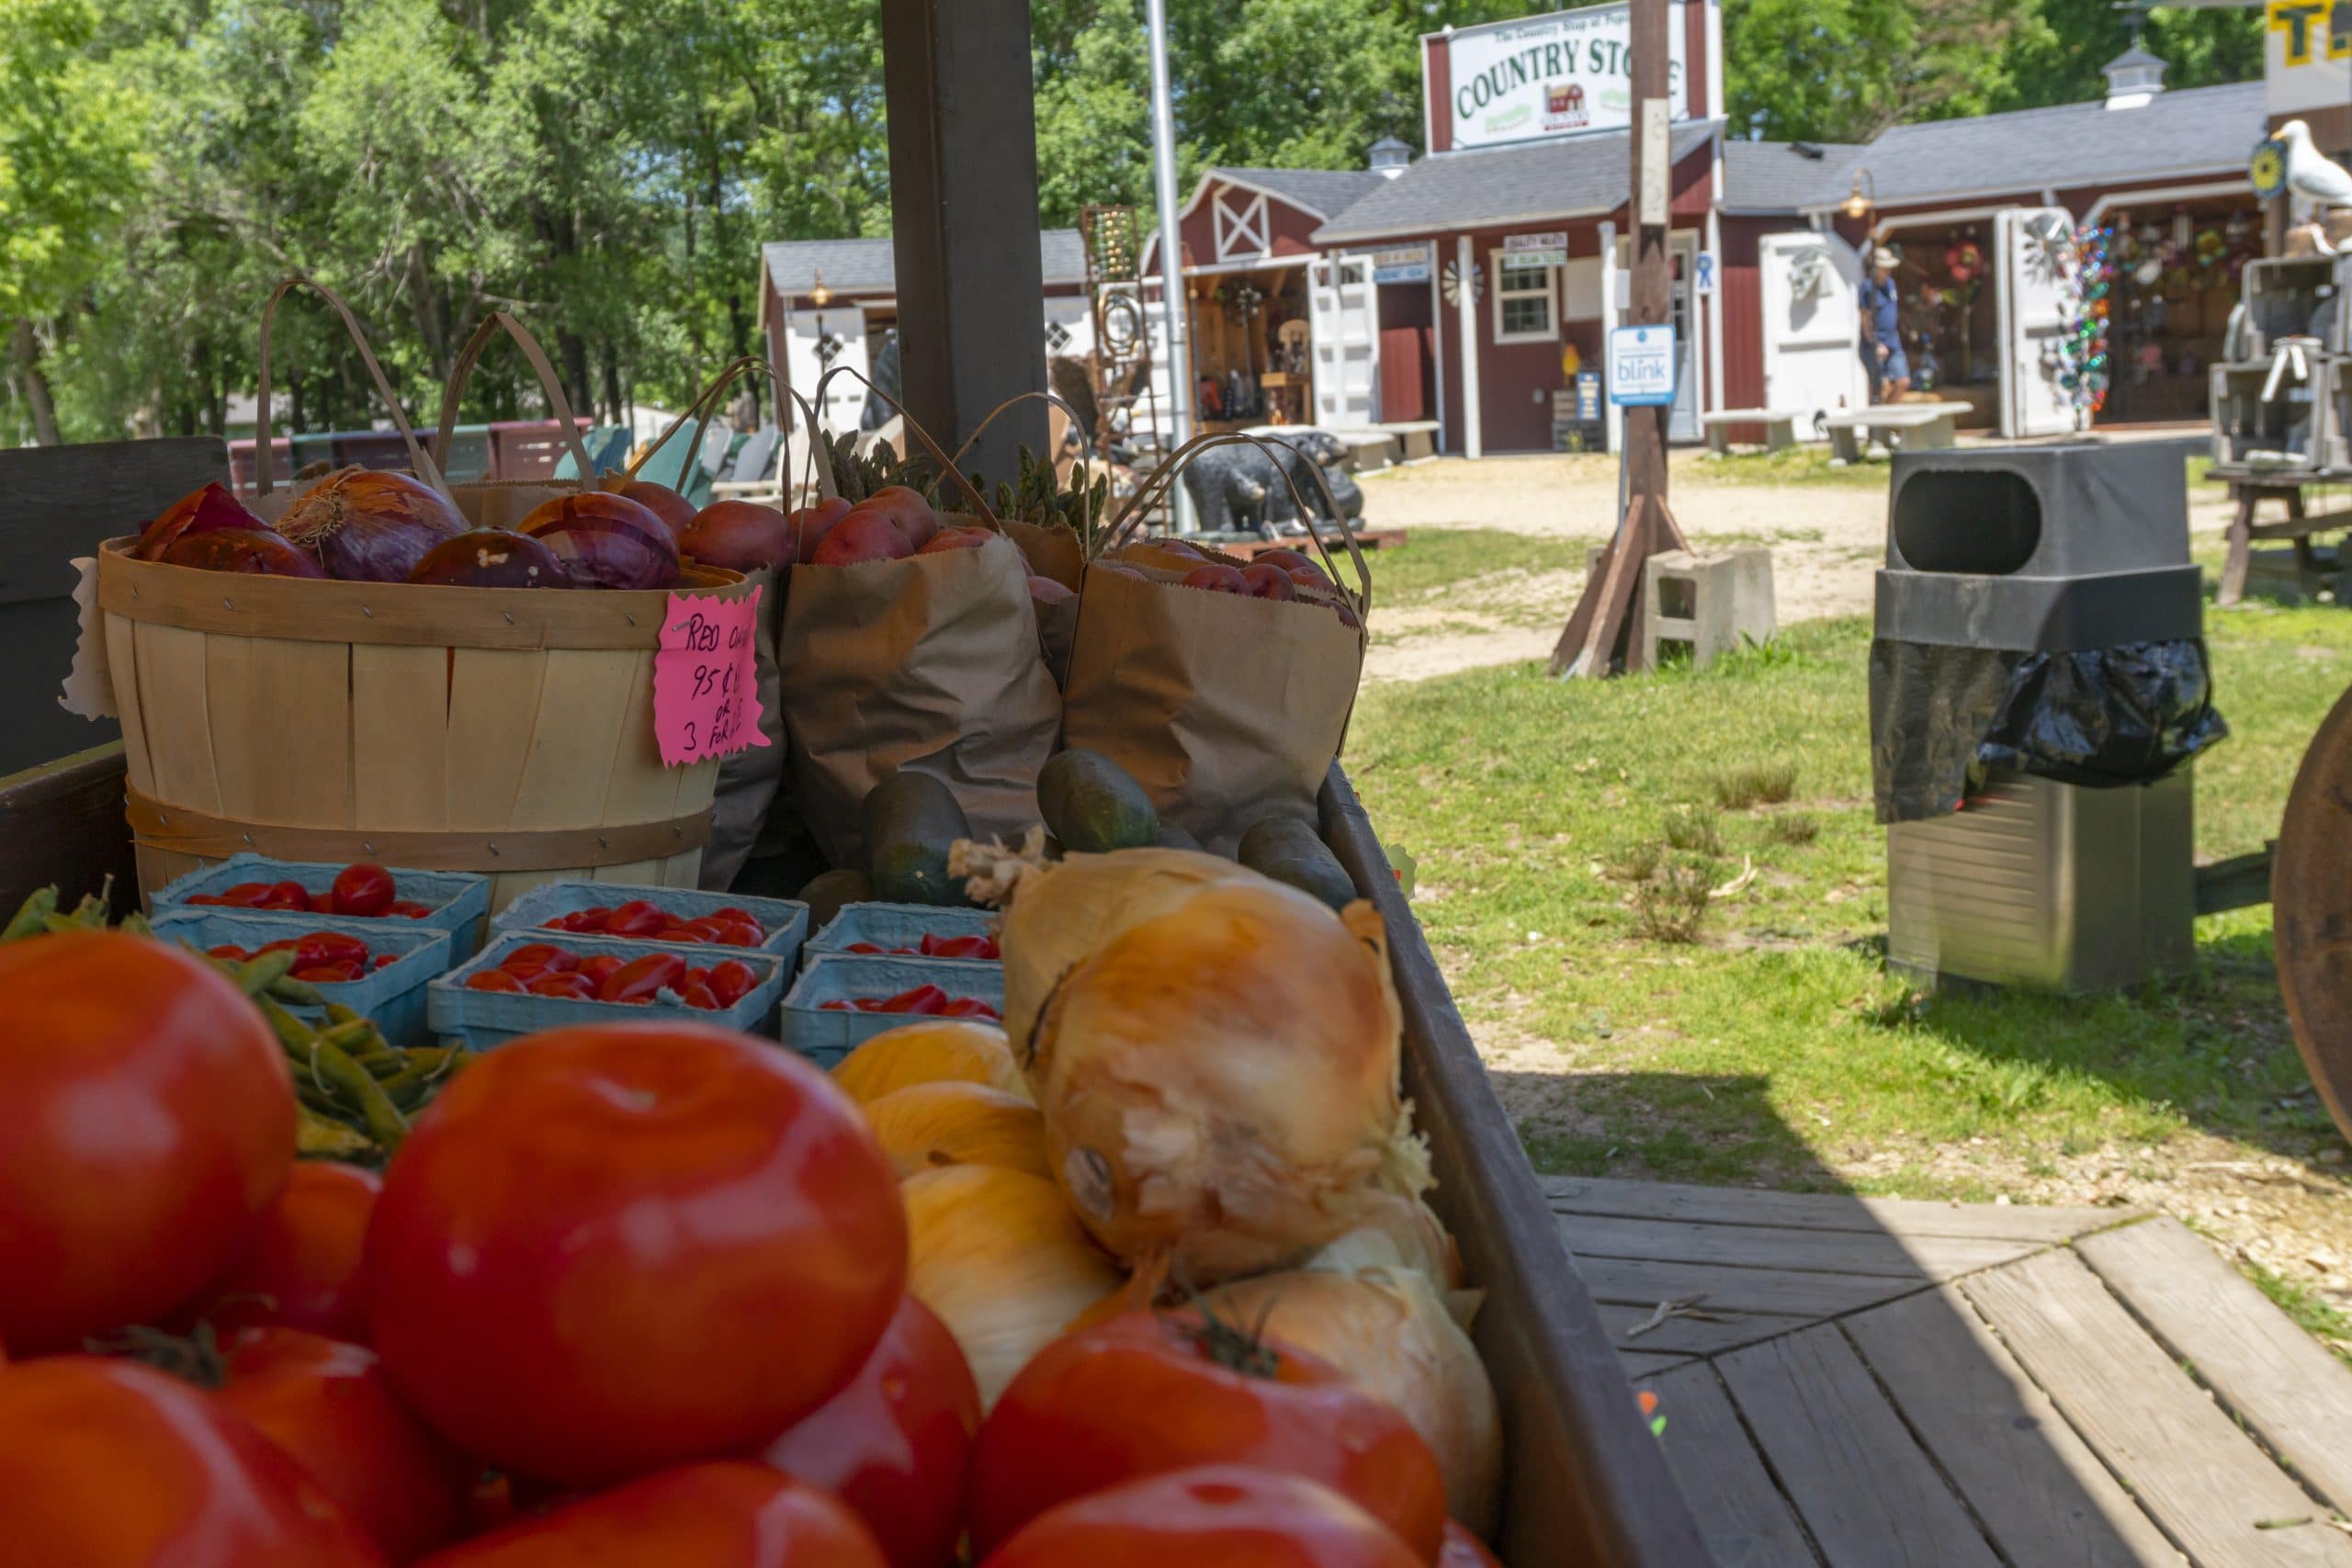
{"points": [[1941, 716]]}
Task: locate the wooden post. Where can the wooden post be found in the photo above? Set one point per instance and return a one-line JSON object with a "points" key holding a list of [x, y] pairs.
{"points": [[964, 209], [1607, 620]]}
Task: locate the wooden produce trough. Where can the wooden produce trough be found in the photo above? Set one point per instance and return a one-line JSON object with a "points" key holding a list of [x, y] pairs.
{"points": [[1585, 1485], [503, 731]]}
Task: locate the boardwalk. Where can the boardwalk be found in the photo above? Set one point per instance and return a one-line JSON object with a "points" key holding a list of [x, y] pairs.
{"points": [[1876, 1383]]}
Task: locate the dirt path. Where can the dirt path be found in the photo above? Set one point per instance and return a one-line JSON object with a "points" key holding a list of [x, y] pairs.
{"points": [[1826, 538]]}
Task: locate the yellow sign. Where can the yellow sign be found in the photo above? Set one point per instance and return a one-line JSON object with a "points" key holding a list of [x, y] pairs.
{"points": [[2313, 29]]}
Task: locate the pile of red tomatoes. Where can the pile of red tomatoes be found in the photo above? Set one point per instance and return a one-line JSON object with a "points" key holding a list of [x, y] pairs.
{"points": [[543, 969], [918, 1001], [982, 948], [359, 889], [649, 922], [629, 1295], [319, 956]]}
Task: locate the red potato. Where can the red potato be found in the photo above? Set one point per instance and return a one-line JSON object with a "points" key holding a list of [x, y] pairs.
{"points": [[1217, 579], [861, 537], [810, 525], [742, 535], [905, 506], [1045, 591], [1269, 582], [659, 500], [1293, 562], [948, 539]]}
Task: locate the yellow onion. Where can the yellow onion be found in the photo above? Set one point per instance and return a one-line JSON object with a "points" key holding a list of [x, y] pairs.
{"points": [[1390, 1330], [999, 1257], [1219, 1082], [943, 1050], [927, 1126], [1057, 913]]}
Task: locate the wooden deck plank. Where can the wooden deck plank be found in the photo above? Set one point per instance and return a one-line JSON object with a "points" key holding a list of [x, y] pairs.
{"points": [[1745, 1520], [2199, 1477], [1863, 1488], [1643, 1281], [1692, 1336], [1841, 1252], [1642, 1364], [1819, 1210], [2043, 1495], [2295, 1396]]}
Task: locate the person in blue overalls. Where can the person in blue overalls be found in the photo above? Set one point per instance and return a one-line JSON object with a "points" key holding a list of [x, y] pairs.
{"points": [[1890, 372]]}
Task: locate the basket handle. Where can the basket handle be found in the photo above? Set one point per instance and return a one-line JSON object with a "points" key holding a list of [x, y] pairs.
{"points": [[946, 464], [549, 383], [701, 409], [423, 464], [1164, 477]]}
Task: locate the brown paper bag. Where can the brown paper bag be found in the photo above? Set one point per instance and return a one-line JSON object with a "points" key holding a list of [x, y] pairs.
{"points": [[1226, 709]]}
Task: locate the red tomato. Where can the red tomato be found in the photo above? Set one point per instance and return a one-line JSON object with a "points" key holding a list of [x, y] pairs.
{"points": [[968, 1006], [600, 967], [301, 1268], [493, 980], [695, 994], [925, 999], [730, 980], [637, 980], [286, 896], [895, 1444], [243, 895], [110, 1464], [228, 950], [706, 927], [338, 947], [1229, 1515], [322, 904], [563, 983], [1068, 1425], [589, 919], [863, 947], [637, 918], [328, 1406], [327, 973], [206, 899], [362, 889], [739, 915], [539, 955], [384, 959], [619, 1216], [935, 946], [742, 933], [724, 1515], [408, 907], [148, 1122], [1462, 1549]]}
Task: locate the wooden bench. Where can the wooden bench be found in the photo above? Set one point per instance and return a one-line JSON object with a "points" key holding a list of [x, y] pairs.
{"points": [[1779, 427], [2248, 489], [1920, 426]]}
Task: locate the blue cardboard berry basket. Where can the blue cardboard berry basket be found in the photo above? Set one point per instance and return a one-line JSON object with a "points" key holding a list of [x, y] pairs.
{"points": [[392, 995], [460, 900], [825, 1035], [482, 1019], [785, 919], [899, 925]]}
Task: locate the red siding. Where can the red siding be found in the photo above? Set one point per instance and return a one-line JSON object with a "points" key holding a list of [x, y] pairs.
{"points": [[1288, 228], [1437, 70], [1743, 308]]}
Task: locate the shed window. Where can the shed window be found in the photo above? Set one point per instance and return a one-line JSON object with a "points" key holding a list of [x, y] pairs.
{"points": [[1523, 295]]}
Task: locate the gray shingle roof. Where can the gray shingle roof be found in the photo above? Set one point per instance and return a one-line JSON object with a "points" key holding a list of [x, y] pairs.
{"points": [[2195, 131], [1326, 193], [1573, 177], [870, 266]]}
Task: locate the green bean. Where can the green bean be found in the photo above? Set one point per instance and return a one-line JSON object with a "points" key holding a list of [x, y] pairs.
{"points": [[385, 1123], [262, 971], [339, 1013], [30, 914], [320, 1134]]}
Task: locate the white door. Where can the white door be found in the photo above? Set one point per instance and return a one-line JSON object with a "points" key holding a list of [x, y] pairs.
{"points": [[1346, 344], [1811, 286], [2038, 297]]}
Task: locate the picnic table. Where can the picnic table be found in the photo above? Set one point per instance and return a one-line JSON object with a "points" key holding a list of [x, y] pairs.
{"points": [[1918, 426], [2249, 489], [1779, 427]]}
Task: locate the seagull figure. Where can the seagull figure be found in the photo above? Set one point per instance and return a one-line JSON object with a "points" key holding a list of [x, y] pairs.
{"points": [[2311, 174]]}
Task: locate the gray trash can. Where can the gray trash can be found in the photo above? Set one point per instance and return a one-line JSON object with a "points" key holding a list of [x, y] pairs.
{"points": [[2037, 681]]}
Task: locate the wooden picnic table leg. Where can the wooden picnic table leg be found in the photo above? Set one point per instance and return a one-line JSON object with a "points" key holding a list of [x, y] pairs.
{"points": [[2241, 543]]}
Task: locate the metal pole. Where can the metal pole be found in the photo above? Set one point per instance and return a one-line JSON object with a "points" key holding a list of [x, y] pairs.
{"points": [[1172, 260]]}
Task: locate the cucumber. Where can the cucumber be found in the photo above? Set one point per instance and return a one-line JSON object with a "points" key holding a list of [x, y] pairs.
{"points": [[912, 820], [1093, 805], [1287, 850], [1172, 837], [827, 893]]}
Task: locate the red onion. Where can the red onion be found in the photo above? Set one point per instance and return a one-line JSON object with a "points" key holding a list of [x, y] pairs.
{"points": [[742, 535], [370, 525], [242, 549], [198, 512], [490, 558], [605, 540], [667, 504]]}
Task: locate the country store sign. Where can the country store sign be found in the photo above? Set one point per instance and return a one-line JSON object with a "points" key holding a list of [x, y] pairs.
{"points": [[1559, 74]]}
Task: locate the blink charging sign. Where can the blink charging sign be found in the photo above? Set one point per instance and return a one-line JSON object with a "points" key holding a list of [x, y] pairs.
{"points": [[1641, 366]]}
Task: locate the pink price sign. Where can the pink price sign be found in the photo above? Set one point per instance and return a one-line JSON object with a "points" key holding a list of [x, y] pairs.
{"points": [[705, 696]]}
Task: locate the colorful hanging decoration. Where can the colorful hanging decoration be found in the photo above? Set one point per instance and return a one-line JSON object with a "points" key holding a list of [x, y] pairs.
{"points": [[2084, 372], [1964, 260]]}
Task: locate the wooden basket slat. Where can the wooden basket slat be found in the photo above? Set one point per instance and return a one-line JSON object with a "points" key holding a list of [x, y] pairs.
{"points": [[494, 698], [568, 764], [281, 729], [509, 886], [641, 787], [176, 716], [122, 661], [399, 736], [683, 871]]}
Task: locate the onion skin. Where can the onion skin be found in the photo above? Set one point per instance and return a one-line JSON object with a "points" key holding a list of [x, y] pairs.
{"points": [[674, 510], [252, 550], [370, 525], [742, 535], [490, 558], [204, 510], [605, 540]]}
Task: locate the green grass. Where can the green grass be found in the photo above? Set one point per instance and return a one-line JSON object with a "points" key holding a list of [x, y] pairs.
{"points": [[1777, 1048], [2317, 1318], [1807, 465], [1435, 559]]}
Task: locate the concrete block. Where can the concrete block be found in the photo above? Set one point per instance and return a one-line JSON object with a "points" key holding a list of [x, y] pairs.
{"points": [[1708, 604]]}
